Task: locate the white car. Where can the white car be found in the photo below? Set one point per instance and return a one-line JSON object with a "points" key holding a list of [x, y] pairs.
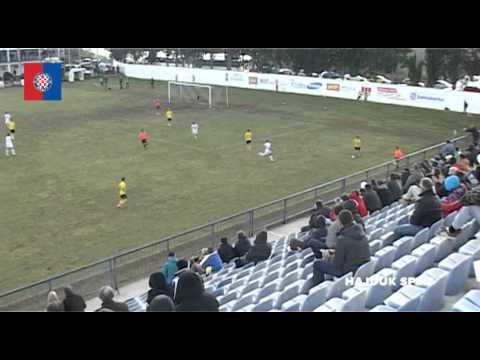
{"points": [[442, 84], [286, 72], [383, 79]]}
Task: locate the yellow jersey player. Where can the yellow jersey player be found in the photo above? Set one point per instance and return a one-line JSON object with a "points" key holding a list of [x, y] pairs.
{"points": [[248, 137], [122, 193], [11, 128], [169, 115], [357, 145]]}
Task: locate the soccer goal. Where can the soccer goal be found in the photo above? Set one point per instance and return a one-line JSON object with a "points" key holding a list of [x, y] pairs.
{"points": [[191, 93]]}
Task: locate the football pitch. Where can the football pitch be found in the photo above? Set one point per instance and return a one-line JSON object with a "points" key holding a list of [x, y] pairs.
{"points": [[58, 195]]}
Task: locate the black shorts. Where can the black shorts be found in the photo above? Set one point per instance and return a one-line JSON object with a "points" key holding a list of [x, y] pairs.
{"points": [[248, 142], [357, 148], [12, 131], [169, 119], [144, 141], [123, 197]]}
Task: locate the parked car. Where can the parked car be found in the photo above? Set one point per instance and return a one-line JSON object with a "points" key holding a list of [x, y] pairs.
{"points": [[286, 72], [442, 84], [382, 79], [329, 75]]}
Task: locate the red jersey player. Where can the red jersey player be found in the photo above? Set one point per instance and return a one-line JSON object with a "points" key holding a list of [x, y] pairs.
{"points": [[157, 104], [143, 137]]}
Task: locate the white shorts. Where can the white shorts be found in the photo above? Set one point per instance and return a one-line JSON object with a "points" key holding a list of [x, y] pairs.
{"points": [[195, 132], [266, 153]]}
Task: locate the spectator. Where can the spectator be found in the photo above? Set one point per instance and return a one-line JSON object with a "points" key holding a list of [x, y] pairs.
{"points": [[191, 295], [170, 268], [469, 211], [352, 206], [437, 176], [261, 249], [321, 209], [414, 178], [211, 260], [72, 301], [464, 164], [158, 286], [362, 208], [226, 251], [476, 173], [334, 229], [183, 265], [475, 133], [312, 243], [351, 252], [161, 303], [106, 295], [456, 190], [394, 185], [242, 246], [53, 303], [404, 176], [397, 155], [447, 149], [344, 197], [384, 193], [318, 230], [412, 195], [428, 210], [372, 200]]}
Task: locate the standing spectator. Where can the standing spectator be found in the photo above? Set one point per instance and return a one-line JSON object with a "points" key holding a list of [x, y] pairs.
{"points": [[351, 252], [261, 249], [158, 286], [397, 155], [170, 268], [183, 265], [362, 208], [384, 193], [127, 83], [475, 134], [448, 149], [53, 303], [106, 295], [395, 187], [161, 303], [191, 296], [428, 210], [152, 83], [465, 106], [372, 200], [225, 250], [72, 301], [242, 245], [334, 229]]}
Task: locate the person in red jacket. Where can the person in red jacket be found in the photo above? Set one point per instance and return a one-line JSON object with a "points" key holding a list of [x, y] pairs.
{"points": [[143, 137], [397, 155], [362, 208]]}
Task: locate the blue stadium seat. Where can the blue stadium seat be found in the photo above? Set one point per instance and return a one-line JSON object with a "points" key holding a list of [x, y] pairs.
{"points": [[290, 278], [307, 260], [385, 257], [260, 266], [287, 269], [434, 281], [403, 218], [274, 267], [263, 306], [425, 255], [375, 245], [307, 270], [231, 296], [257, 275], [406, 299], [375, 234], [218, 292], [405, 268], [316, 297], [237, 284], [225, 282], [354, 303], [444, 246], [420, 238], [465, 305], [377, 288], [466, 234], [270, 278], [366, 270], [403, 246], [383, 308], [448, 221], [472, 249], [293, 305], [332, 305], [435, 229], [242, 302], [287, 294], [459, 266], [250, 287], [265, 291]]}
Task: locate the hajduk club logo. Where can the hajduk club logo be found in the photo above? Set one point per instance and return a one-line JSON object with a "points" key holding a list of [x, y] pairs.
{"points": [[42, 82]]}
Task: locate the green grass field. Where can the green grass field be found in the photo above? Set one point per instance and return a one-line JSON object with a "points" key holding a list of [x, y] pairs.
{"points": [[58, 195]]}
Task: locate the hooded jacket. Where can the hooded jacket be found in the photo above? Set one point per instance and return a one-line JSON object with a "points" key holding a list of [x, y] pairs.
{"points": [[161, 303], [319, 231], [372, 200], [191, 295], [158, 286], [414, 178], [73, 302], [361, 207], [242, 245], [384, 194], [428, 210], [226, 252], [352, 249], [395, 189], [352, 206], [169, 269], [261, 250]]}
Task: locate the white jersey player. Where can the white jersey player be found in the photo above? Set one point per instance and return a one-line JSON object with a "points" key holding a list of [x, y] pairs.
{"points": [[7, 117], [195, 128], [267, 150], [9, 145]]}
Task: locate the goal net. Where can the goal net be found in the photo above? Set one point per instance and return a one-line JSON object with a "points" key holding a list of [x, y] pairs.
{"points": [[191, 93]]}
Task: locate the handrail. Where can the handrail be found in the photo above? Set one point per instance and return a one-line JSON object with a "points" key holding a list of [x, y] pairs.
{"points": [[213, 223]]}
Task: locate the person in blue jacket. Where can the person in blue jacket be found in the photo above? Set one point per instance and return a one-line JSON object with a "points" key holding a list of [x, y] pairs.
{"points": [[211, 259], [170, 268]]}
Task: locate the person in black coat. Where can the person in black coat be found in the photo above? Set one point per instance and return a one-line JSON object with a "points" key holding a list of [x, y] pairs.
{"points": [[384, 193], [191, 296], [242, 245], [261, 249], [314, 244], [395, 188], [225, 251], [106, 295], [158, 286], [351, 205], [371, 199], [404, 176], [72, 301]]}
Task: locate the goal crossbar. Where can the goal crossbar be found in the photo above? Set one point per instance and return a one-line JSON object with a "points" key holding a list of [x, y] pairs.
{"points": [[187, 84]]}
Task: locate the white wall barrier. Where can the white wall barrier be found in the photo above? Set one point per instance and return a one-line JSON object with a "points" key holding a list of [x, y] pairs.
{"points": [[381, 93]]}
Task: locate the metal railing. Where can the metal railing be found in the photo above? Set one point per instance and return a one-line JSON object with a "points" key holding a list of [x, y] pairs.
{"points": [[139, 262]]}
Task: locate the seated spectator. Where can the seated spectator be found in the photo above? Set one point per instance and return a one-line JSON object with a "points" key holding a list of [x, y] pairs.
{"points": [[334, 229], [161, 303], [226, 251], [106, 295], [53, 303], [170, 268], [351, 252], [211, 260], [384, 193], [158, 286], [463, 164], [261, 249], [412, 195], [404, 176], [362, 208], [311, 243], [318, 229], [476, 173], [321, 209], [344, 197], [448, 149], [455, 190], [242, 245], [372, 200], [414, 178], [428, 210], [352, 207], [437, 176], [191, 296], [72, 301], [469, 211], [395, 187]]}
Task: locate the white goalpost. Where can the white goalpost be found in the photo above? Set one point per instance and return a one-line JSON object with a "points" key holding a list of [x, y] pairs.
{"points": [[186, 92]]}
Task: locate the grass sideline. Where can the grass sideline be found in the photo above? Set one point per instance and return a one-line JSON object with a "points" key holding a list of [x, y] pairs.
{"points": [[59, 193]]}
